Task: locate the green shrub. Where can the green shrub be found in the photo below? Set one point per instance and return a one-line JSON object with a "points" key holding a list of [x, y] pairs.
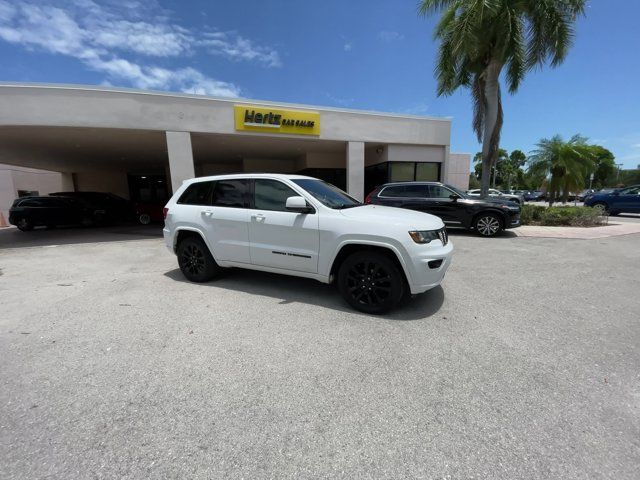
{"points": [[558, 216]]}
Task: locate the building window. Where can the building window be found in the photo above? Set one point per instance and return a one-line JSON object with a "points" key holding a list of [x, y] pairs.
{"points": [[402, 171], [381, 173], [428, 172]]}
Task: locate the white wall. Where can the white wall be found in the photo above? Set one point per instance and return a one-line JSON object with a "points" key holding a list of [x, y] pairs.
{"points": [[459, 170], [59, 105]]}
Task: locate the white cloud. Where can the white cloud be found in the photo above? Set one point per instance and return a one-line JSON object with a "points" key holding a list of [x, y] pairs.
{"points": [[239, 48], [106, 37], [348, 47], [390, 36], [636, 145]]}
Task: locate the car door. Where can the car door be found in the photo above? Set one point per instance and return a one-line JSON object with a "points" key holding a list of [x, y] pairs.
{"points": [[441, 204], [219, 210], [280, 238], [628, 200]]}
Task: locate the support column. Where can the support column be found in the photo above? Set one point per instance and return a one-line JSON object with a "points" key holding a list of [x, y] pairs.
{"points": [[355, 170], [445, 168], [67, 183], [180, 158]]}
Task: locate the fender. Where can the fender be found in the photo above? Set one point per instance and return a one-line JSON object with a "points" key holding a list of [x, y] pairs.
{"points": [[374, 243], [194, 230]]}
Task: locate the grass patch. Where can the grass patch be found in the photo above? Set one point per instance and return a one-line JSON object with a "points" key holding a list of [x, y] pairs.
{"points": [[562, 216]]}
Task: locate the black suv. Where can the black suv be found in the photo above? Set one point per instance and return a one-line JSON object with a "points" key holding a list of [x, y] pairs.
{"points": [[487, 216], [29, 212]]}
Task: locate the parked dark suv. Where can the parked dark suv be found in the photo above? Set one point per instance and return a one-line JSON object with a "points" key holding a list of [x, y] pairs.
{"points": [[487, 216], [29, 212]]}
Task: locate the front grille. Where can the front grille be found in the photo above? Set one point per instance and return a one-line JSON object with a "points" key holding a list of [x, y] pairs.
{"points": [[443, 236]]}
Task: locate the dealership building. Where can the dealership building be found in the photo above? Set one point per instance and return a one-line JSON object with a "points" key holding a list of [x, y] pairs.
{"points": [[142, 145]]}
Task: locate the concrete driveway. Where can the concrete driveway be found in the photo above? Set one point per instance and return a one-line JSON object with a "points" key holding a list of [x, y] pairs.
{"points": [[523, 365]]}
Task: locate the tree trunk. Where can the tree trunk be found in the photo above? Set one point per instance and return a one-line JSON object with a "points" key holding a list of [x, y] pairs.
{"points": [[492, 123]]}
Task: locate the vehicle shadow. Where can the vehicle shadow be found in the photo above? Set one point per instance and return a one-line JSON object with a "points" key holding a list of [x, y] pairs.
{"points": [[460, 232], [11, 237], [302, 290]]}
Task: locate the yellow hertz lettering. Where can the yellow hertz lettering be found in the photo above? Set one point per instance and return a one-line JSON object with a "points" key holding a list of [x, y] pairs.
{"points": [[296, 122]]}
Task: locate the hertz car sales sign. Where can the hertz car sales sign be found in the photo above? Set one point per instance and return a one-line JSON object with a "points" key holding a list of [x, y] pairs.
{"points": [[267, 120]]}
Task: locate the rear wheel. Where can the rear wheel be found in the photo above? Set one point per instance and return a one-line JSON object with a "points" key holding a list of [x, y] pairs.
{"points": [[371, 282], [24, 224], [488, 224], [195, 260], [144, 218]]}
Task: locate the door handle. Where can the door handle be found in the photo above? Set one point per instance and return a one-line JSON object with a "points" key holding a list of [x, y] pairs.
{"points": [[207, 213], [258, 217]]}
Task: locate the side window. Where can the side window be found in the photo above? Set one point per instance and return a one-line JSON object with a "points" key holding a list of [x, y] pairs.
{"points": [[415, 191], [197, 194], [631, 191], [30, 203], [272, 195], [230, 193], [438, 191], [395, 191]]}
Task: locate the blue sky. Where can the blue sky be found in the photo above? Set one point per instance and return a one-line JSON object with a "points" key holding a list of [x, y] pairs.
{"points": [[374, 54]]}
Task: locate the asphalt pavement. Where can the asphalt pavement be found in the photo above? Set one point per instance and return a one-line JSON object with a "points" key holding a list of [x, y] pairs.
{"points": [[523, 365]]}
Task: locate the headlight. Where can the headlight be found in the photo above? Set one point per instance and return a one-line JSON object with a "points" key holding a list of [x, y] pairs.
{"points": [[424, 236], [515, 208]]}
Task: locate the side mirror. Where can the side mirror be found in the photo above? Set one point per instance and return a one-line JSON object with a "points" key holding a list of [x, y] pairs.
{"points": [[454, 197], [298, 204]]}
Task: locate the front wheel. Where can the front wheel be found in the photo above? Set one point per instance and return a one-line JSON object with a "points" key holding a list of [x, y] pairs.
{"points": [[195, 260], [144, 219], [371, 282], [604, 207], [488, 225]]}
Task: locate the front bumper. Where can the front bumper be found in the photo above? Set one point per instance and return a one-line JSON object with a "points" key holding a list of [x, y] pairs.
{"points": [[428, 266]]}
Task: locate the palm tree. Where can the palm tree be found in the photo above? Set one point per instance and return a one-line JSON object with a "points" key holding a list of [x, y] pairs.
{"points": [[480, 38], [565, 165]]}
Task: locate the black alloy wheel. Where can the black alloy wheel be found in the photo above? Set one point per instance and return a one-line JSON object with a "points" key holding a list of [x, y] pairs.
{"points": [[371, 282], [488, 224], [195, 260]]}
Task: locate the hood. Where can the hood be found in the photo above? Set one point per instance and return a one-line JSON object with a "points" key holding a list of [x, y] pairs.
{"points": [[399, 217]]}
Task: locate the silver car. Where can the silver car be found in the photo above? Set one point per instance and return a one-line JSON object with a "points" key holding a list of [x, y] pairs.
{"points": [[519, 199]]}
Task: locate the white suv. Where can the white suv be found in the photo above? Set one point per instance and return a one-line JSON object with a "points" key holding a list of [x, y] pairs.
{"points": [[303, 226]]}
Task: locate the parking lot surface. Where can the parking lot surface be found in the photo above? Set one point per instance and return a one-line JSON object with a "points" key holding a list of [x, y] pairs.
{"points": [[524, 364]]}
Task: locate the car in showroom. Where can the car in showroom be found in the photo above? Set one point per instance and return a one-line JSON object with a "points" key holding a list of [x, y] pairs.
{"points": [[302, 226], [622, 200], [487, 217], [519, 199], [29, 212]]}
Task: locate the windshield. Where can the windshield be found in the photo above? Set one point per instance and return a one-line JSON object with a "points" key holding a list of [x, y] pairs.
{"points": [[328, 194]]}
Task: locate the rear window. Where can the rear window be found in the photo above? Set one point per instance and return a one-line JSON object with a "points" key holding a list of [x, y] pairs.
{"points": [[197, 194], [404, 191]]}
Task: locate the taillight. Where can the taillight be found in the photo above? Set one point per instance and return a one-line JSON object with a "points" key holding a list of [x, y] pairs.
{"points": [[368, 198], [165, 210]]}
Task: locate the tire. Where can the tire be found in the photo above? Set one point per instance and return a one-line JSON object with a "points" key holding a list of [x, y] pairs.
{"points": [[24, 225], [488, 224], [86, 222], [371, 282], [144, 219], [195, 260], [604, 207]]}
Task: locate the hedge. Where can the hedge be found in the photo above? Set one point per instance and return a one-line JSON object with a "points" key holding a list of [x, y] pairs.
{"points": [[567, 216]]}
